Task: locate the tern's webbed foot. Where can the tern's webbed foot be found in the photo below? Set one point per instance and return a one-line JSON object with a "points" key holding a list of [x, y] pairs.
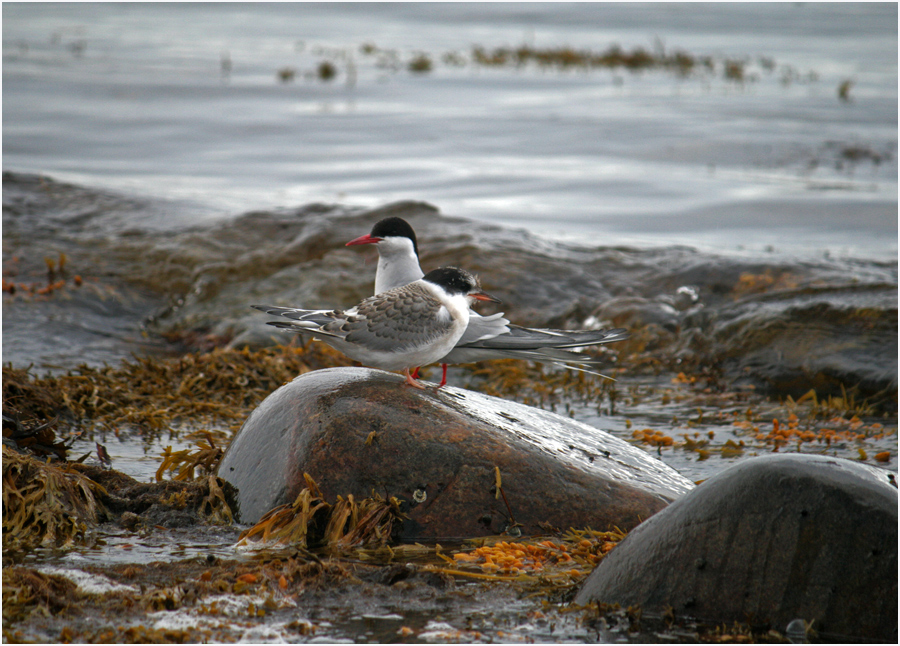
{"points": [[412, 382]]}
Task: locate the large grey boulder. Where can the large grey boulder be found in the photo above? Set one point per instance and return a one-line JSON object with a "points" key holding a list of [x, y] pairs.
{"points": [[767, 541], [358, 431]]}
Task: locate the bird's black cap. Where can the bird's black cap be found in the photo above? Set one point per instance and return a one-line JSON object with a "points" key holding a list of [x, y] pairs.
{"points": [[458, 281], [395, 227], [453, 279]]}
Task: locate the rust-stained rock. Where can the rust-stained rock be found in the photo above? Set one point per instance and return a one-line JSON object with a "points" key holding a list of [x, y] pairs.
{"points": [[767, 541], [358, 431]]}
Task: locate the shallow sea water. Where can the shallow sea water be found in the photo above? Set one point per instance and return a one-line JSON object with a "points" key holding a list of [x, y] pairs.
{"points": [[183, 102]]}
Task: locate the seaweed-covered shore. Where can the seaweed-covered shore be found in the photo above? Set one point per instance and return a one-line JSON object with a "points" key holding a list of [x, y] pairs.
{"points": [[729, 358], [92, 554], [348, 579]]}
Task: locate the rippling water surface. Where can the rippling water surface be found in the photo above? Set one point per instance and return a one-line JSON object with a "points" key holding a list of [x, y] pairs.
{"points": [[184, 102]]}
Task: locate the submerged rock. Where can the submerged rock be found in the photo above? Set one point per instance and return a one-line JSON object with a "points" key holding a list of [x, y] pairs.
{"points": [[791, 341], [358, 431], [769, 540], [785, 339]]}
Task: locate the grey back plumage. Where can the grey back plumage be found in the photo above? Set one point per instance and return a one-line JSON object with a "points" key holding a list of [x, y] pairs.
{"points": [[397, 320], [400, 319]]}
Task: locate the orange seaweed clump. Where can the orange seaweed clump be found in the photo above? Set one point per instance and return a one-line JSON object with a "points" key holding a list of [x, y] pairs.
{"points": [[760, 283], [748, 426], [576, 557], [781, 434], [855, 429], [509, 558], [653, 438], [838, 430]]}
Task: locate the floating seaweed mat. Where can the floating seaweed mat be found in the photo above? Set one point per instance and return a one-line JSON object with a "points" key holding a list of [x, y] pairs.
{"points": [[45, 504], [310, 521]]}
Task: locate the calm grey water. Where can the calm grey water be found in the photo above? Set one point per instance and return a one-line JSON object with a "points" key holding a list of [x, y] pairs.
{"points": [[182, 103]]}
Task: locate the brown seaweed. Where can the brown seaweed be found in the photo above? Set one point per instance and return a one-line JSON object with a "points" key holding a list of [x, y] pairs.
{"points": [[310, 521], [44, 504]]}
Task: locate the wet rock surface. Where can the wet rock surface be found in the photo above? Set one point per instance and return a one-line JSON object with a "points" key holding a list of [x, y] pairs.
{"points": [[796, 339], [768, 541], [781, 328], [359, 431]]}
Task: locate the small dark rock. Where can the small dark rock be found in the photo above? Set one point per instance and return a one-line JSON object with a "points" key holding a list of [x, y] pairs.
{"points": [[409, 574], [392, 573], [165, 516], [129, 520]]}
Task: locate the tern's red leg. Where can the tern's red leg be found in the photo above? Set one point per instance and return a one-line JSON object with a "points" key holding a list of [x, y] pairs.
{"points": [[412, 382], [415, 374], [443, 376]]}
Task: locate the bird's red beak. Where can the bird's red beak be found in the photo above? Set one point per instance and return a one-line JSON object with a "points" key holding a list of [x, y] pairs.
{"points": [[366, 239], [481, 296]]}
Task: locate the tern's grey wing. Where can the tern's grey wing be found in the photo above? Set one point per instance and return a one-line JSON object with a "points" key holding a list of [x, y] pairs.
{"points": [[584, 338], [289, 312], [303, 328], [543, 345], [400, 319], [523, 338], [469, 354], [306, 319], [483, 327]]}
